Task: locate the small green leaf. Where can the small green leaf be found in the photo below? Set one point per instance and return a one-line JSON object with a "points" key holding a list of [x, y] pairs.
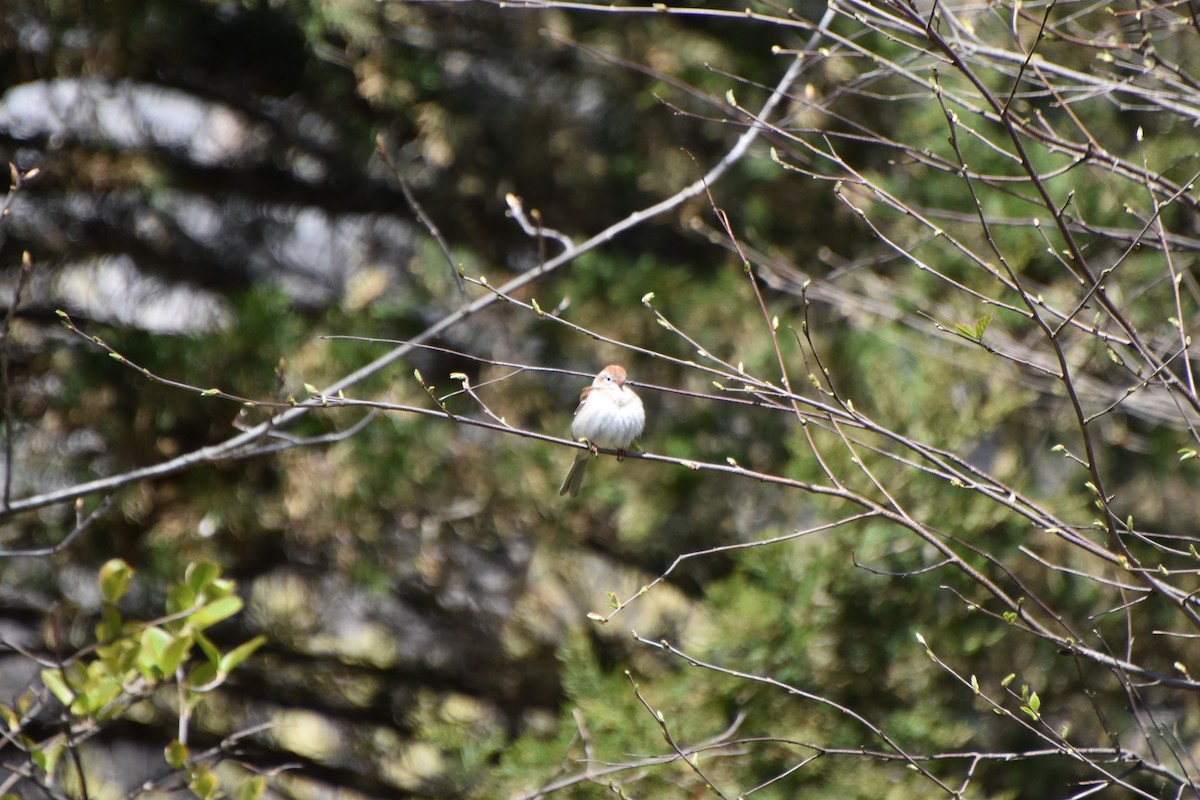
{"points": [[211, 652], [12, 720], [154, 652], [176, 754], [200, 574], [115, 577], [214, 612], [250, 788], [120, 657], [204, 783], [202, 676], [1009, 678], [109, 627], [210, 392], [46, 756], [981, 326], [57, 684], [180, 597], [155, 640], [175, 654], [221, 587], [965, 330], [103, 691], [237, 655], [1033, 706], [308, 387]]}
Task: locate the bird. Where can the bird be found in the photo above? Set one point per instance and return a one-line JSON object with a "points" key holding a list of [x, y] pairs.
{"points": [[609, 415]]}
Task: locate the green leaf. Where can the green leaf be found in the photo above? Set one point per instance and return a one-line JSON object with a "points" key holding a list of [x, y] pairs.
{"points": [[120, 657], [237, 655], [115, 577], [1032, 704], [180, 597], [53, 678], [215, 611], [202, 676], [975, 331], [211, 651], [46, 756], [204, 783], [200, 574], [221, 587], [102, 690], [163, 652], [155, 645], [176, 754], [175, 654], [250, 788], [12, 720], [109, 627], [982, 325]]}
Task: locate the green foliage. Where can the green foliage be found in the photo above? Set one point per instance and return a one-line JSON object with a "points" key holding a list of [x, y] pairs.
{"points": [[132, 659], [604, 717]]}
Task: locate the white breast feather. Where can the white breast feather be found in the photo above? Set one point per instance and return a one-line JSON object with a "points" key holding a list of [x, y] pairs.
{"points": [[611, 425]]}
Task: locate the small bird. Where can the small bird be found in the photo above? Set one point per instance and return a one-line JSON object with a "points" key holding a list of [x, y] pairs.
{"points": [[610, 415]]}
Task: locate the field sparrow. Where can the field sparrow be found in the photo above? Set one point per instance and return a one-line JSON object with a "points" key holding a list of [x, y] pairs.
{"points": [[609, 415]]}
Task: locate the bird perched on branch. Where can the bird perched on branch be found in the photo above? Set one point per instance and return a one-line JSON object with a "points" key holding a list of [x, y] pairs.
{"points": [[610, 415]]}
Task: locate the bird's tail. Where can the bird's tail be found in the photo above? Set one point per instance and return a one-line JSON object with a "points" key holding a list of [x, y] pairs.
{"points": [[574, 480]]}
